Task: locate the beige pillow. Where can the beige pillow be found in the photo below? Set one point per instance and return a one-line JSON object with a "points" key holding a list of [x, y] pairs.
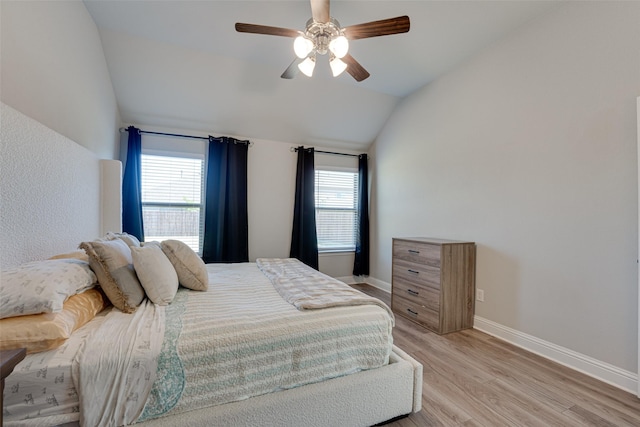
{"points": [[112, 262], [156, 274], [73, 255], [192, 273], [129, 239], [40, 332]]}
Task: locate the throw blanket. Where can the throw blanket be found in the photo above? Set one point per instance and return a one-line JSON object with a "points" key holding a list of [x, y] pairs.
{"points": [[306, 288], [115, 367]]}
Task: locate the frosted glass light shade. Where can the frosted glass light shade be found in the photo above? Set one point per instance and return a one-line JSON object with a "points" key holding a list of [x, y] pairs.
{"points": [[337, 66], [339, 46], [307, 66], [302, 46]]}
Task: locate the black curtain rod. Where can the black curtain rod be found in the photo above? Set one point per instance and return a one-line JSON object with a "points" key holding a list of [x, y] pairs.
{"points": [[295, 149], [177, 135]]}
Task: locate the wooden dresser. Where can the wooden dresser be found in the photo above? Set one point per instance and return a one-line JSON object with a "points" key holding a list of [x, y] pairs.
{"points": [[433, 282]]}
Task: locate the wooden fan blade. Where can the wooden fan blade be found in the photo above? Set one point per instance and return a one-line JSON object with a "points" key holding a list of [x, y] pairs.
{"points": [[292, 70], [384, 27], [354, 68], [265, 29], [320, 10]]}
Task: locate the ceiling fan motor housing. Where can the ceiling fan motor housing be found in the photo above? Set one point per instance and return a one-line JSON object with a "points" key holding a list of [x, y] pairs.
{"points": [[321, 34]]}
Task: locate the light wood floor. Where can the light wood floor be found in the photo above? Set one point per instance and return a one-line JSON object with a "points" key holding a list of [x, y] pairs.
{"points": [[473, 379]]}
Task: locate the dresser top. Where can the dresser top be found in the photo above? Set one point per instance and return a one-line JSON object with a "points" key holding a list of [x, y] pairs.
{"points": [[432, 240]]}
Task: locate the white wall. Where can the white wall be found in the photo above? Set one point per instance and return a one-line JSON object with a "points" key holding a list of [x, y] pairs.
{"points": [[529, 149], [271, 190], [53, 69], [271, 182]]}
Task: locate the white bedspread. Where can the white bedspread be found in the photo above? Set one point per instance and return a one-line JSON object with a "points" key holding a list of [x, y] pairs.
{"points": [[115, 367], [241, 339]]}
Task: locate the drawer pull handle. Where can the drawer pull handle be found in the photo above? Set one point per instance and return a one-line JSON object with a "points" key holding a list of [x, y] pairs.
{"points": [[413, 251], [413, 271], [411, 312], [412, 292]]}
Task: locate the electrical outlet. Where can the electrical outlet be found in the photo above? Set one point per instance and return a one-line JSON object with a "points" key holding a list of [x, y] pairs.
{"points": [[480, 295]]}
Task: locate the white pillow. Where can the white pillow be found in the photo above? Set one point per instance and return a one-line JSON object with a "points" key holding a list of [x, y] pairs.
{"points": [[42, 286], [156, 274]]}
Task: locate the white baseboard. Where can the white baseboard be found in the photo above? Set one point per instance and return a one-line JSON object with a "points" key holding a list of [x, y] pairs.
{"points": [[623, 379], [351, 280], [376, 283]]}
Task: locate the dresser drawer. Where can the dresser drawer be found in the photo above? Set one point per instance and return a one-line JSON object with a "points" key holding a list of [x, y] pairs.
{"points": [[419, 274], [416, 312], [419, 253], [422, 295]]}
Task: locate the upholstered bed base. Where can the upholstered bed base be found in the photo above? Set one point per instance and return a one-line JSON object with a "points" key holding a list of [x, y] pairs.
{"points": [[362, 399]]}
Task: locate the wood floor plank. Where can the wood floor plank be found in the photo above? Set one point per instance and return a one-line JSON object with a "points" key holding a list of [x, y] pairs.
{"points": [[536, 409], [503, 367], [587, 418], [473, 379], [455, 395], [599, 398], [494, 396]]}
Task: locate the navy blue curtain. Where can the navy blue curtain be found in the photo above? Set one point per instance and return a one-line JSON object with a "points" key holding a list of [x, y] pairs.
{"points": [[361, 262], [226, 223], [132, 187], [304, 238]]}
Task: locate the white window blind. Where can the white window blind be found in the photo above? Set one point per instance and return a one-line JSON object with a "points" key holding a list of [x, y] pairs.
{"points": [[172, 199], [336, 210]]}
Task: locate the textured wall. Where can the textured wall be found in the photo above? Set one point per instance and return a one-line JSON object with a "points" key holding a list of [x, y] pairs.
{"points": [[49, 191]]}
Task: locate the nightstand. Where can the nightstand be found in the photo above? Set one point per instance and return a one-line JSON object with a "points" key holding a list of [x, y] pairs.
{"points": [[8, 360]]}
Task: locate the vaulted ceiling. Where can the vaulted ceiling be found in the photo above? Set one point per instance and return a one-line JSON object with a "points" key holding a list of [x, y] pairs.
{"points": [[182, 65]]}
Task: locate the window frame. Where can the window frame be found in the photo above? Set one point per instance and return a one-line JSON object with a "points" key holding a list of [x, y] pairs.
{"points": [[354, 171], [201, 205]]}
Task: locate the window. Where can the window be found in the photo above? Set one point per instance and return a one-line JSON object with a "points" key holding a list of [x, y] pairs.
{"points": [[172, 198], [336, 210]]}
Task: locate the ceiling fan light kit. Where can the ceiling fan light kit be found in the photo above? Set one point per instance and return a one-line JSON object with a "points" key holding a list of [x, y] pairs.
{"points": [[308, 65], [323, 34], [302, 46], [337, 66], [339, 46]]}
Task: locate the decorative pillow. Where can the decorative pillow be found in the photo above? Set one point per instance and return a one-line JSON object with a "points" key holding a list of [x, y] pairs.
{"points": [[111, 261], [156, 274], [129, 239], [191, 270], [74, 255], [151, 243], [42, 286], [45, 331]]}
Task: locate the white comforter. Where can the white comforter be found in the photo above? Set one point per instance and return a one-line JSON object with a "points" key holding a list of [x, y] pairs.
{"points": [[241, 339]]}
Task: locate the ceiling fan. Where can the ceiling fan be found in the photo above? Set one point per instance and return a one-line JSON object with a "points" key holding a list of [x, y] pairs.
{"points": [[323, 34]]}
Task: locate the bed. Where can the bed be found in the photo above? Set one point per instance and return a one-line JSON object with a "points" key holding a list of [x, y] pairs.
{"points": [[266, 343]]}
